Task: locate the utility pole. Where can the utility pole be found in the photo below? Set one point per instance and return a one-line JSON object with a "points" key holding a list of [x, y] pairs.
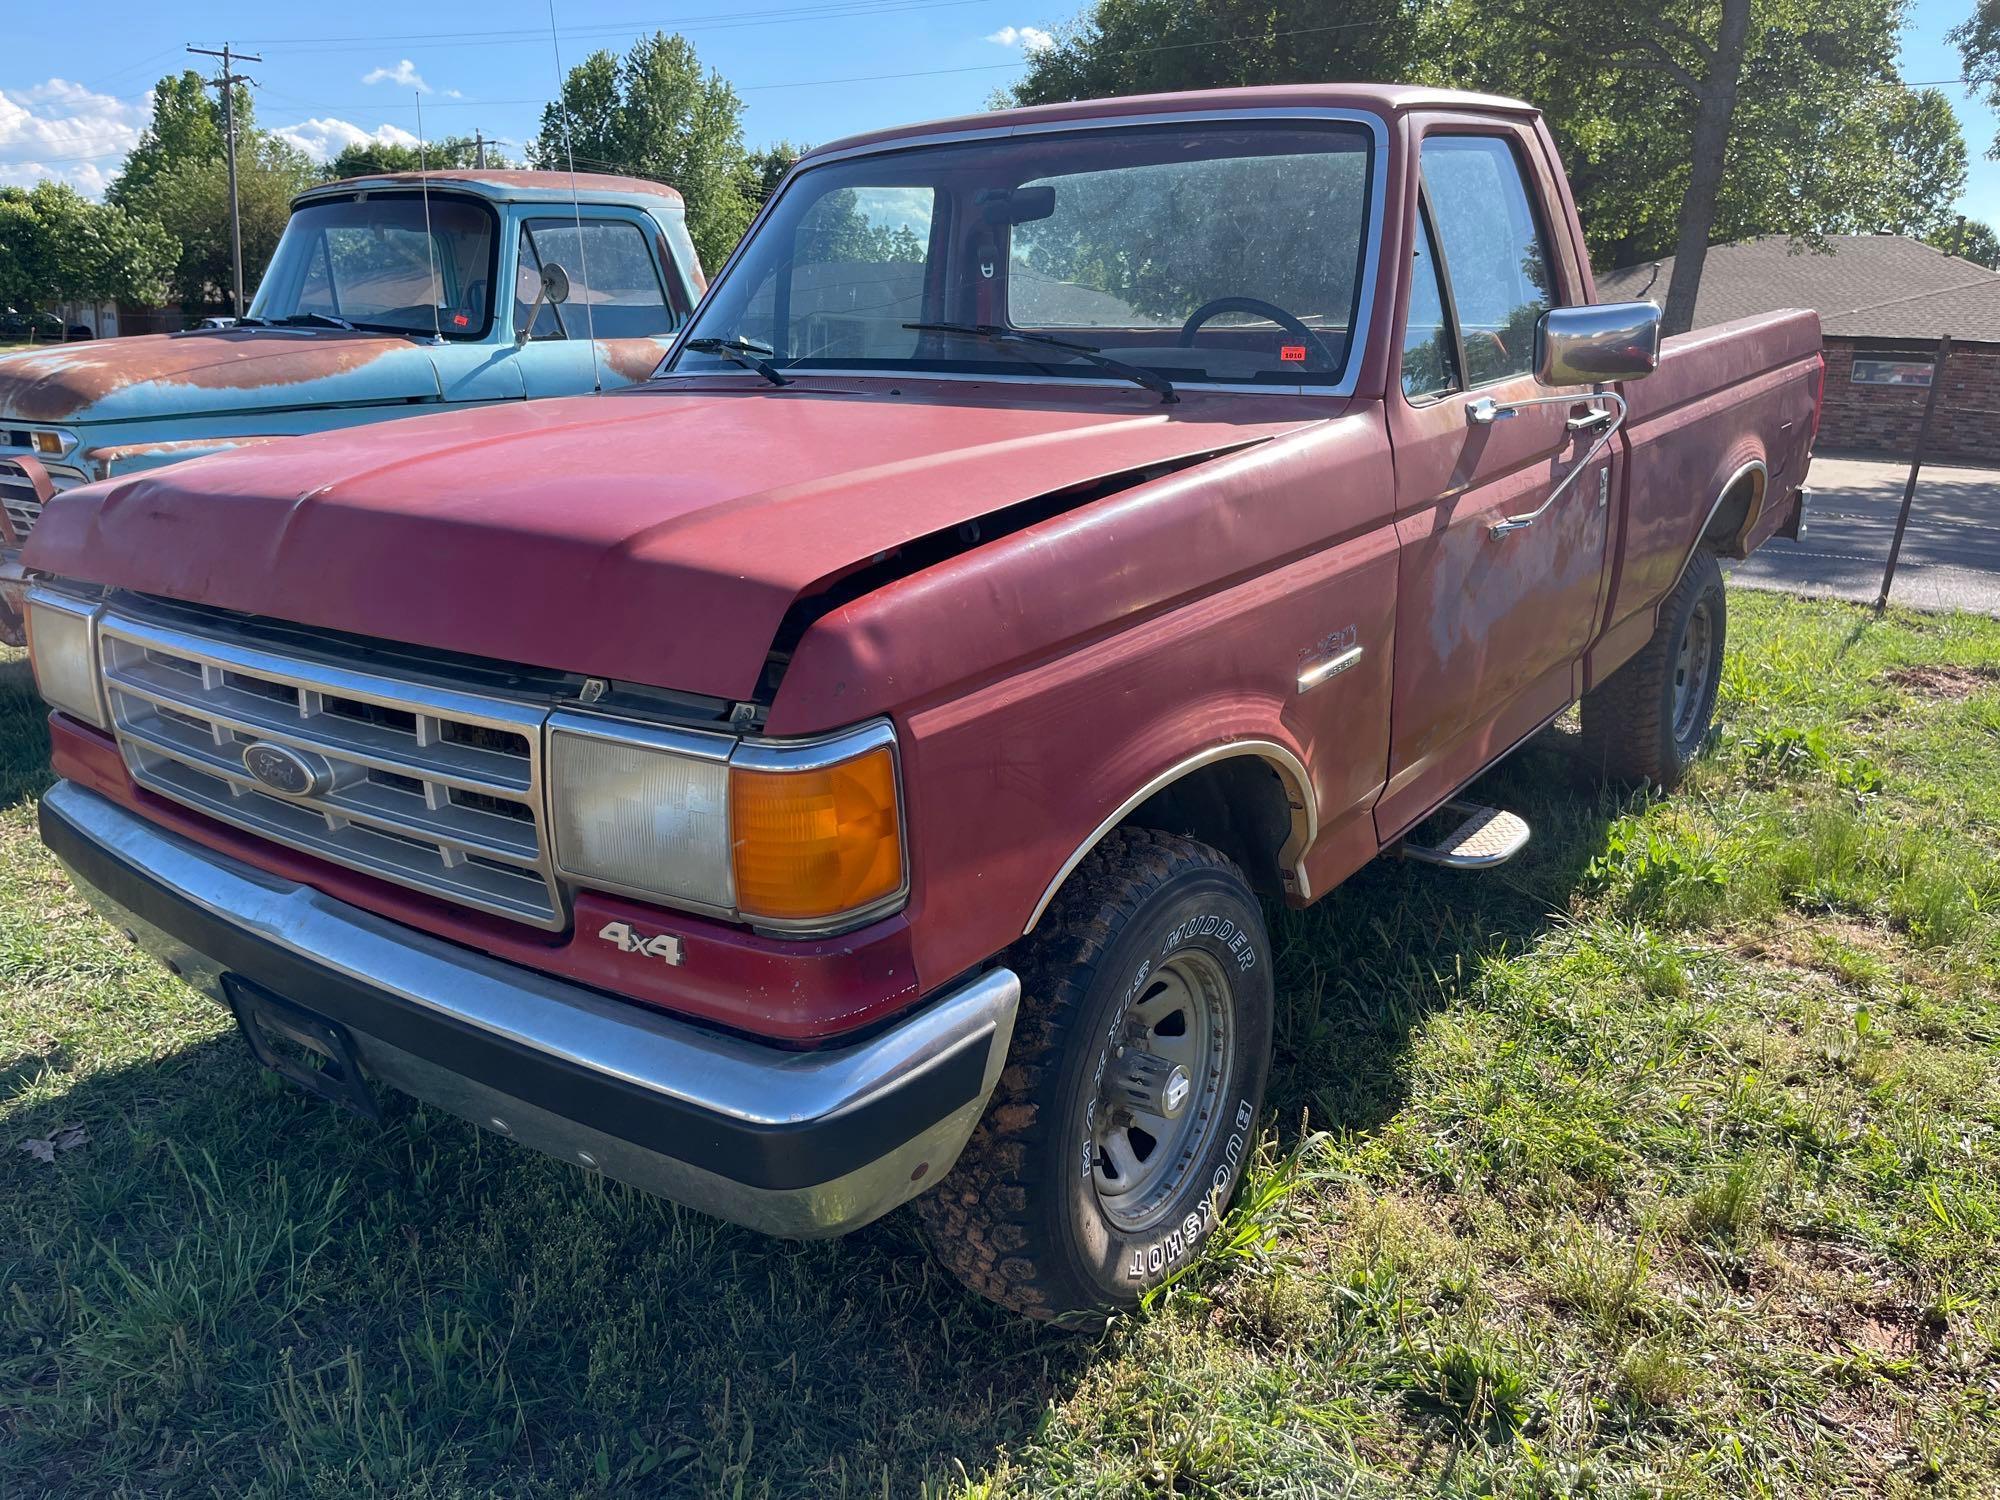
{"points": [[478, 148], [227, 81]]}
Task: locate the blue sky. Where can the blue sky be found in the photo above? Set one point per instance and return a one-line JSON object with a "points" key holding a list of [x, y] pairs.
{"points": [[808, 70]]}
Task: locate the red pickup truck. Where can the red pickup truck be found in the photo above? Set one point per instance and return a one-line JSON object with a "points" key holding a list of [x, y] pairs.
{"points": [[845, 769]]}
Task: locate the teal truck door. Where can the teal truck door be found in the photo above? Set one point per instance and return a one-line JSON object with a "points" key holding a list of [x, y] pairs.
{"points": [[617, 292]]}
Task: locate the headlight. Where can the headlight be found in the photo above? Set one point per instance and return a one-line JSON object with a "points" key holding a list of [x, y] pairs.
{"points": [[804, 836], [641, 810], [63, 649]]}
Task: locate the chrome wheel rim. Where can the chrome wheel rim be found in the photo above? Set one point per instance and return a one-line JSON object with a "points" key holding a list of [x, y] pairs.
{"points": [[1693, 663], [1159, 1104]]}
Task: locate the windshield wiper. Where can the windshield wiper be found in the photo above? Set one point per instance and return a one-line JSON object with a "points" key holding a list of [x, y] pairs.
{"points": [[994, 333], [315, 320], [744, 352]]}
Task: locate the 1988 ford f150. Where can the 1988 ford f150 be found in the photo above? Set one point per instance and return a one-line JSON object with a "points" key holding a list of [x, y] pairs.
{"points": [[379, 302], [844, 769]]}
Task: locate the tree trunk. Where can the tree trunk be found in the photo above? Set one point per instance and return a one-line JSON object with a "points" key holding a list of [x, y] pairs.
{"points": [[1714, 110]]}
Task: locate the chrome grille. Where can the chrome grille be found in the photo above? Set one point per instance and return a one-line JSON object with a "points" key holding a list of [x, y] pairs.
{"points": [[17, 496], [435, 789]]}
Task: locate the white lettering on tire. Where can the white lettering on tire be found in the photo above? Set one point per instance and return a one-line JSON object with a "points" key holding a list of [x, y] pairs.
{"points": [[1148, 1261]]}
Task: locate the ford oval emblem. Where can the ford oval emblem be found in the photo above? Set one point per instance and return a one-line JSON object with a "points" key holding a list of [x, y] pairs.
{"points": [[289, 772]]}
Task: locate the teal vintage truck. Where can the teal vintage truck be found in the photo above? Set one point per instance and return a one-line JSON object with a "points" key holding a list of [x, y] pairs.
{"points": [[387, 296]]}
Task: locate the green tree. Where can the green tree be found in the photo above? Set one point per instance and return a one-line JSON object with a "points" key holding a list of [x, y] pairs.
{"points": [[57, 246], [655, 113], [1979, 43], [186, 126], [760, 172], [1687, 123], [1163, 46], [1971, 240], [1682, 122], [177, 178], [372, 158]]}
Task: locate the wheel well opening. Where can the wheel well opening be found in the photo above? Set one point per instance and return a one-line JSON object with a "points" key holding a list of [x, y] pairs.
{"points": [[1238, 805], [1733, 511]]}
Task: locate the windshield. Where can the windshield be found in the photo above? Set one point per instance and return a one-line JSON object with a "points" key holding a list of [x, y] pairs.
{"points": [[1227, 252], [367, 261]]}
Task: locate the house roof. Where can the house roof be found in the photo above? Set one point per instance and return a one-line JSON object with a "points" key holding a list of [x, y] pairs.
{"points": [[1868, 286]]}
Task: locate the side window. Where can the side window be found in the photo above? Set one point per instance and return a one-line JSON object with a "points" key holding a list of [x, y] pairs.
{"points": [[611, 272], [1493, 251], [1429, 361]]}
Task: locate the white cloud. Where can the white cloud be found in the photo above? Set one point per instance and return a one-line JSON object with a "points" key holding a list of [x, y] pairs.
{"points": [[404, 73], [324, 139], [67, 131], [1027, 38]]}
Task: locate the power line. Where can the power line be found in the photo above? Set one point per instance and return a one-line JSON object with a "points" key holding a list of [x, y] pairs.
{"points": [[713, 20], [226, 81]]}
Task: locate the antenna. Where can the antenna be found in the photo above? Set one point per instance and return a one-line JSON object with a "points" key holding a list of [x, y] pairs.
{"points": [[575, 206], [430, 245]]}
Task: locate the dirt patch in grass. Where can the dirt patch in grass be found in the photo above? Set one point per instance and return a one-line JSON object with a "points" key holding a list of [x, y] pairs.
{"points": [[1942, 680]]}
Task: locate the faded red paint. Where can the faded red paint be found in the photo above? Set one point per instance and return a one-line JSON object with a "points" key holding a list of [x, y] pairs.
{"points": [[1037, 679], [672, 562], [793, 991], [56, 384]]}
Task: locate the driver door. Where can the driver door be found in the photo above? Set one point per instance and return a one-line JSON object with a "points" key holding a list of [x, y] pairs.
{"points": [[1489, 628], [617, 293]]}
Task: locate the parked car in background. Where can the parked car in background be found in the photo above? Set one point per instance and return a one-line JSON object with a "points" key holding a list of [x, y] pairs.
{"points": [[846, 770], [386, 296], [30, 327]]}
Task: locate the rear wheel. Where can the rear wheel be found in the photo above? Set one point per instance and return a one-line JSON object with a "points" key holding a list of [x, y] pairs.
{"points": [[1647, 720], [1122, 1122]]}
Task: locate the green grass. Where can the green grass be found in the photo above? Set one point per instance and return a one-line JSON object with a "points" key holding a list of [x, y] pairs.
{"points": [[1662, 1161]]}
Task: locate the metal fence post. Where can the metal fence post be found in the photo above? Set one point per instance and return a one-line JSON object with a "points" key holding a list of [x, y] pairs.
{"points": [[1916, 463]]}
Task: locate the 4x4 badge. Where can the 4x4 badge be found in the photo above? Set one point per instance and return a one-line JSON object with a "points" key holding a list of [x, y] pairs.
{"points": [[662, 945]]}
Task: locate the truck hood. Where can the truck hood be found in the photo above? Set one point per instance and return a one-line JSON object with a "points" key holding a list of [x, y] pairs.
{"points": [[655, 535], [201, 374]]}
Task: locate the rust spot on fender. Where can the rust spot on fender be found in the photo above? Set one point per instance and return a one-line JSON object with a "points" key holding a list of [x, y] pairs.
{"points": [[52, 386], [632, 359]]}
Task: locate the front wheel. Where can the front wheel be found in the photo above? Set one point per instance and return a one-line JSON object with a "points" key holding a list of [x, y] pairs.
{"points": [[1128, 1107], [1647, 721]]}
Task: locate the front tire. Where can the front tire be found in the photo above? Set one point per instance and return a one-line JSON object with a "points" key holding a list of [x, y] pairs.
{"points": [[1128, 1107], [1648, 720]]}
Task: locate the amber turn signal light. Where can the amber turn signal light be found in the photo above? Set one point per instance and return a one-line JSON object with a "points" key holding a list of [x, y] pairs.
{"points": [[819, 843]]}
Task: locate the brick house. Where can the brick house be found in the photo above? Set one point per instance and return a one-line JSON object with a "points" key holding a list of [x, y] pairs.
{"points": [[1883, 300]]}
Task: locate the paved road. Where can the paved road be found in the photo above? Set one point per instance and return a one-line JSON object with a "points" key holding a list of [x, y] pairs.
{"points": [[1951, 554]]}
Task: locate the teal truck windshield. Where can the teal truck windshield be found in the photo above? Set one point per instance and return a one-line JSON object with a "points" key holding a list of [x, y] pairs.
{"points": [[1229, 252], [384, 261]]}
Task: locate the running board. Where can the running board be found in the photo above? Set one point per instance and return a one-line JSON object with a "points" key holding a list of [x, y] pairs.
{"points": [[1485, 837]]}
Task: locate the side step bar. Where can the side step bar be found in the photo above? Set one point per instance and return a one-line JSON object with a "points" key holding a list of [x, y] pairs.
{"points": [[1484, 837]]}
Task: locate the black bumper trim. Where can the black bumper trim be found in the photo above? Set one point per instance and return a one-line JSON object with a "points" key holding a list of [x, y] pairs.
{"points": [[778, 1158]]}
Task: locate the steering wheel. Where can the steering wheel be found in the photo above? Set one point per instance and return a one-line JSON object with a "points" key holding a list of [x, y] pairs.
{"points": [[1270, 310]]}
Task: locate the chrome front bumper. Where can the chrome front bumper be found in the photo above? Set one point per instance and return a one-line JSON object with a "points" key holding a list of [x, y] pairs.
{"points": [[799, 1144]]}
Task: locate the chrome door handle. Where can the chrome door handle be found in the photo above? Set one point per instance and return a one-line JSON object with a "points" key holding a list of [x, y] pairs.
{"points": [[1615, 418]]}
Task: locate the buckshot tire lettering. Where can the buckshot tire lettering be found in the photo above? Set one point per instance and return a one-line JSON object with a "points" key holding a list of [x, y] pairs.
{"points": [[1154, 959]]}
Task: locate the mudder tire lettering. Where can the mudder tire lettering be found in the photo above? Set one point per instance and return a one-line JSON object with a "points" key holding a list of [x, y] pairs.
{"points": [[1026, 1217]]}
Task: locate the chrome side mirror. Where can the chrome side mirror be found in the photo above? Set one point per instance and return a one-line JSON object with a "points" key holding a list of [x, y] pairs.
{"points": [[1604, 342], [554, 290]]}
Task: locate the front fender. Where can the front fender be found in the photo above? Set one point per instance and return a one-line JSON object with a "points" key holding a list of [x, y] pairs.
{"points": [[119, 459]]}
